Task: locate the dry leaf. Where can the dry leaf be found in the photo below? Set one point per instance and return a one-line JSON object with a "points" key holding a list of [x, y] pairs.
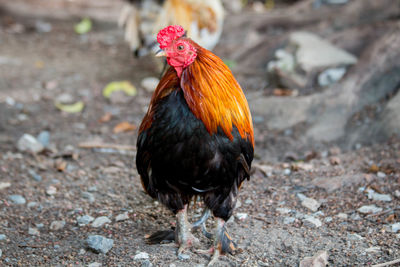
{"points": [[60, 165], [282, 92], [106, 117], [124, 127]]}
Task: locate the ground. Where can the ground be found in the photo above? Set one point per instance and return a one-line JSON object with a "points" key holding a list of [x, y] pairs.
{"points": [[35, 68]]}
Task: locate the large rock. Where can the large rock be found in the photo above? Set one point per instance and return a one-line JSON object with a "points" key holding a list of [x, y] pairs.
{"points": [[314, 53]]}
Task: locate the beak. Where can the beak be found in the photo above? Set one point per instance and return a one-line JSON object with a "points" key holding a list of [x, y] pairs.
{"points": [[161, 53]]}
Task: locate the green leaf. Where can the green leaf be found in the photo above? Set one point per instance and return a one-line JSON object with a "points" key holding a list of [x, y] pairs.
{"points": [[124, 86], [70, 108], [84, 26]]}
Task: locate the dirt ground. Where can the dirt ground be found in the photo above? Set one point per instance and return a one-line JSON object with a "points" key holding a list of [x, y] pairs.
{"points": [[37, 67]]}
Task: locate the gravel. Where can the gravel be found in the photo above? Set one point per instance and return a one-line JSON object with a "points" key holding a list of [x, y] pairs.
{"points": [[57, 225], [30, 144], [141, 256], [84, 220], [310, 204], [369, 209]]}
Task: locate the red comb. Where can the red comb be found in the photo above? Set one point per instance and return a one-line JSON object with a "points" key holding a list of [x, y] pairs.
{"points": [[168, 34]]}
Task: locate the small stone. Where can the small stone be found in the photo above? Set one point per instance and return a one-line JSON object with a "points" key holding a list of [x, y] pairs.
{"points": [[2, 237], [369, 209], [92, 188], [100, 221], [29, 143], [82, 251], [378, 197], [355, 217], [328, 219], [84, 220], [35, 176], [301, 196], [241, 216], [311, 221], [289, 220], [381, 174], [355, 237], [89, 196], [397, 193], [42, 26], [39, 225], [287, 171], [396, 227], [33, 231], [342, 216], [149, 83], [283, 210], [310, 204], [1, 253], [44, 138], [4, 185], [330, 76], [17, 199], [65, 98], [373, 249], [318, 260], [122, 217], [94, 264], [248, 201], [146, 263], [141, 256], [57, 225], [99, 243], [182, 256], [32, 204], [51, 190]]}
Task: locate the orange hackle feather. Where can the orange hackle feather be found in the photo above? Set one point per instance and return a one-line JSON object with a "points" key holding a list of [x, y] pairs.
{"points": [[215, 97], [212, 94]]}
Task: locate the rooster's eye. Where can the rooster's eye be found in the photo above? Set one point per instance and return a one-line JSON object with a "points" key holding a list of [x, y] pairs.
{"points": [[180, 47]]}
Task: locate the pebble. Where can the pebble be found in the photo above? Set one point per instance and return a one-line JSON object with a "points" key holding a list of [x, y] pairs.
{"points": [[331, 76], [35, 176], [100, 221], [65, 98], [369, 209], [42, 26], [311, 221], [396, 227], [99, 243], [141, 256], [51, 190], [288, 220], [1, 253], [122, 217], [92, 188], [355, 217], [89, 196], [3, 237], [283, 210], [378, 197], [342, 216], [328, 219], [149, 83], [318, 260], [17, 199], [287, 171], [39, 225], [44, 138], [373, 249], [381, 174], [241, 216], [4, 185], [248, 201], [146, 263], [33, 231], [94, 264], [301, 196], [57, 225], [84, 220], [397, 193], [29, 143], [32, 204], [355, 237], [310, 204]]}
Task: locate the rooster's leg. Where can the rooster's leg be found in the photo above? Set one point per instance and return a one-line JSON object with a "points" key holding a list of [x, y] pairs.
{"points": [[184, 237], [222, 242], [202, 223]]}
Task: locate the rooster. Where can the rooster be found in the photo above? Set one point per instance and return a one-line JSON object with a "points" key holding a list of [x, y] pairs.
{"points": [[196, 138], [142, 19]]}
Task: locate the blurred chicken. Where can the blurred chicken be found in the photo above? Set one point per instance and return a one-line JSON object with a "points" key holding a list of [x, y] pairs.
{"points": [[142, 19]]}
